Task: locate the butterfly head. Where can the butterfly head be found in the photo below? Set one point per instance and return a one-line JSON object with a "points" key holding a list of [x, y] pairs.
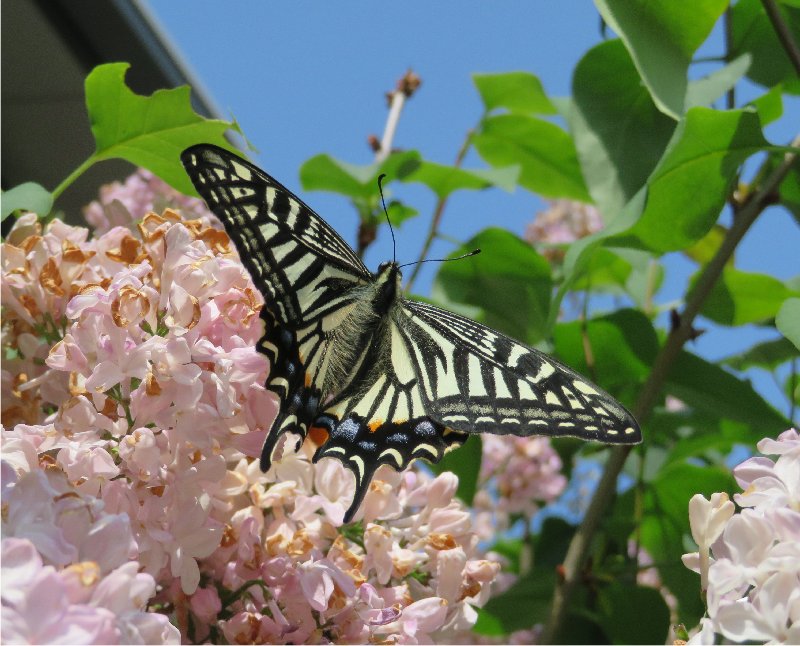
{"points": [[388, 280]]}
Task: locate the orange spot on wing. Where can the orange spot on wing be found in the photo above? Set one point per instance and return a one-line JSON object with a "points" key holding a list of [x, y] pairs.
{"points": [[318, 435], [308, 380], [375, 424]]}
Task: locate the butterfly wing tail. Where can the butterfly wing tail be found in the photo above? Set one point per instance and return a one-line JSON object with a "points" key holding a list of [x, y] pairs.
{"points": [[362, 445]]}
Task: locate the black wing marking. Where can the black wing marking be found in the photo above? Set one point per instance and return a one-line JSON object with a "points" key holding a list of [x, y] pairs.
{"points": [[300, 264], [477, 380], [362, 445]]}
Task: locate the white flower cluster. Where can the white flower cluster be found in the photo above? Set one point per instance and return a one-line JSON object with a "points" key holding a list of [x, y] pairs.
{"points": [[749, 562]]}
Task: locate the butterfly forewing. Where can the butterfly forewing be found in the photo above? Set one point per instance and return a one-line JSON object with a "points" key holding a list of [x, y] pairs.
{"points": [[299, 263], [389, 380]]}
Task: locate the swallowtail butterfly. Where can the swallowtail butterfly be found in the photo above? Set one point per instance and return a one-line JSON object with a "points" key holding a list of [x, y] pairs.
{"points": [[389, 379]]}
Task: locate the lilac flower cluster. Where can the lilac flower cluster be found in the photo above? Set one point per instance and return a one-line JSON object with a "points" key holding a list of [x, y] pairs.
{"points": [[563, 221], [133, 408], [518, 475], [749, 562]]}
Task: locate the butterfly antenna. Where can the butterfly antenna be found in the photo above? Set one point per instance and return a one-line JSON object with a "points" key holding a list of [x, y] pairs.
{"points": [[391, 229], [474, 252]]}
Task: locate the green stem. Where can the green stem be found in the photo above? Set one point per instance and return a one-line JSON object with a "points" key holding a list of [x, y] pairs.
{"points": [[730, 96], [579, 546], [437, 216], [80, 170]]}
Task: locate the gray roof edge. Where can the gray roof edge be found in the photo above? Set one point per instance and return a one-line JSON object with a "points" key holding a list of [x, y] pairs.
{"points": [[166, 54]]}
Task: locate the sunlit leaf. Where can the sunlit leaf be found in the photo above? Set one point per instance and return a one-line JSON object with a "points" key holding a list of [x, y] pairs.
{"points": [[580, 252], [399, 212], [707, 90], [542, 150], [662, 38], [769, 105], [29, 196], [690, 185], [148, 131], [704, 249], [516, 91], [741, 297], [753, 33], [619, 132], [767, 355], [443, 180], [325, 173], [788, 320]]}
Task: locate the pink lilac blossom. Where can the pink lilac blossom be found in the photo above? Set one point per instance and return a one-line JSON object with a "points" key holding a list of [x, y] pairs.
{"points": [[523, 473], [749, 562], [564, 221], [134, 409], [142, 192]]}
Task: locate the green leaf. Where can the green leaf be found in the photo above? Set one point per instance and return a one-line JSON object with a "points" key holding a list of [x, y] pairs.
{"points": [[519, 92], [619, 132], [708, 89], [29, 196], [767, 354], [791, 387], [552, 542], [662, 38], [788, 320], [465, 462], [325, 173], [524, 604], [789, 191], [443, 180], [769, 105], [399, 212], [633, 614], [741, 297], [622, 271], [487, 624], [689, 187], [508, 281], [706, 247], [709, 387], [753, 33], [544, 152], [623, 346], [605, 271], [701, 435], [580, 252], [665, 524], [148, 131]]}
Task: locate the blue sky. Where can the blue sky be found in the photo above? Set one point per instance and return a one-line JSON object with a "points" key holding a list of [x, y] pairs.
{"points": [[306, 78]]}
